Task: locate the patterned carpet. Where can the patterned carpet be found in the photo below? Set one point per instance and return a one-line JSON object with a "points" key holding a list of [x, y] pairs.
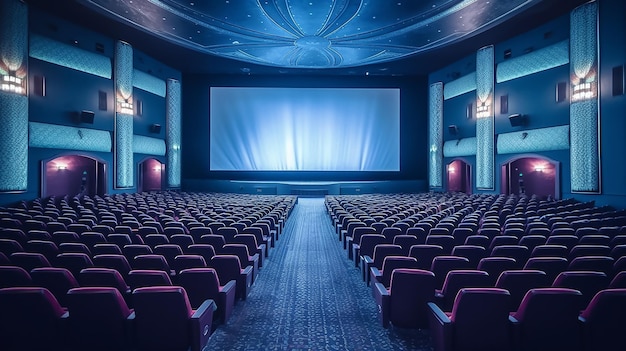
{"points": [[308, 296]]}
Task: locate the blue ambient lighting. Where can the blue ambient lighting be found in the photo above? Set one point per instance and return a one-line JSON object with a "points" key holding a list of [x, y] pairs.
{"points": [[313, 33], [304, 129]]}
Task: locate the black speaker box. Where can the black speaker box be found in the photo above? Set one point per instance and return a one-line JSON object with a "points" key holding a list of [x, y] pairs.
{"points": [[87, 117], [517, 120], [155, 128], [453, 129]]}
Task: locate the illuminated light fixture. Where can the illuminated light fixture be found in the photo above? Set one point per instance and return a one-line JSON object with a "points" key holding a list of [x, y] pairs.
{"points": [[61, 167], [583, 91], [433, 148], [451, 169], [125, 107], [12, 84], [483, 110], [157, 169], [539, 168]]}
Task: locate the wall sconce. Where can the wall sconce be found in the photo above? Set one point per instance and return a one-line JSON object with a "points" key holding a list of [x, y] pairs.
{"points": [[539, 168], [12, 84], [125, 106], [61, 167], [451, 169], [157, 168], [583, 91], [483, 110]]}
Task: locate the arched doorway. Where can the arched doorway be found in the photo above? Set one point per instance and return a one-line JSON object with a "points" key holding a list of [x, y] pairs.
{"points": [[531, 175], [150, 175], [73, 175], [459, 176]]}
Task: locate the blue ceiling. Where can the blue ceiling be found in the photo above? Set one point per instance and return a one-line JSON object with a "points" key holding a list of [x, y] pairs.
{"points": [[311, 34], [307, 37]]}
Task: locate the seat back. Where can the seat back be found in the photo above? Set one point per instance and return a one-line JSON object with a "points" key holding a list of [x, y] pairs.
{"points": [[496, 265], [200, 284], [410, 291], [383, 250], [443, 264], [603, 321], [73, 261], [97, 319], [57, 280], [587, 282], [113, 261], [518, 282], [102, 277], [480, 318], [392, 263], [425, 254], [473, 253], [151, 262], [228, 267], [205, 250], [458, 279], [186, 261], [30, 311], [547, 319], [140, 278], [29, 260], [552, 266], [14, 276], [162, 317], [602, 264], [369, 242]]}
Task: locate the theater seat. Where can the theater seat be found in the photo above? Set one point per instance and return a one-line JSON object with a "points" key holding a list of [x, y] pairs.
{"points": [[229, 268], [31, 319], [404, 303], [547, 319], [603, 322], [478, 321], [98, 319], [202, 284], [164, 320]]}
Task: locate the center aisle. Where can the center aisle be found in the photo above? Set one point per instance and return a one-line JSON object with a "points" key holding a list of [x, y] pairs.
{"points": [[308, 296]]}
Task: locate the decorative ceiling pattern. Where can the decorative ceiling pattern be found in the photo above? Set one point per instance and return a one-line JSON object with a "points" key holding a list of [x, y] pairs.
{"points": [[312, 33]]}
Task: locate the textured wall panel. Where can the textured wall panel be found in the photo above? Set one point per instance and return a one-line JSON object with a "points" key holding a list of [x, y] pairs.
{"points": [[149, 83], [536, 140], [124, 70], [541, 60], [461, 147], [173, 132], [13, 142], [52, 51], [460, 86], [52, 136], [584, 118], [149, 146], [485, 126], [124, 171], [436, 135], [13, 37]]}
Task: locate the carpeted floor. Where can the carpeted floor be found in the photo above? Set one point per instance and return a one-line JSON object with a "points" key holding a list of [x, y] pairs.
{"points": [[308, 296]]}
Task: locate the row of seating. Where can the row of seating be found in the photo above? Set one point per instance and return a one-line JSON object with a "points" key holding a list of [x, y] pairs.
{"points": [[210, 270], [425, 252]]}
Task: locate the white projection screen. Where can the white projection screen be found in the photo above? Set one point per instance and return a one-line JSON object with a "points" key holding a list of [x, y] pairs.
{"points": [[304, 129]]}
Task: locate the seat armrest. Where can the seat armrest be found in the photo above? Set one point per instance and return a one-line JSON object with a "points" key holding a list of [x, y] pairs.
{"points": [[201, 321], [375, 275], [382, 296], [366, 262], [228, 286], [440, 328]]}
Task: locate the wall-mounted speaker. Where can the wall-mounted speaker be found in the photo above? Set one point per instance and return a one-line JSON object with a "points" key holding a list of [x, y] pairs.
{"points": [[138, 108], [618, 80], [39, 85], [102, 101], [504, 104], [469, 111], [561, 91], [155, 128], [453, 129], [87, 117], [517, 120]]}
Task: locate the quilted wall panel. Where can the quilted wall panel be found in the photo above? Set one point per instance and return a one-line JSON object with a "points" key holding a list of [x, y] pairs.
{"points": [[43, 135], [584, 116], [149, 83], [485, 125], [173, 132], [461, 147], [61, 54], [460, 86], [541, 60], [149, 146], [13, 142], [536, 140], [124, 171], [13, 37], [436, 135]]}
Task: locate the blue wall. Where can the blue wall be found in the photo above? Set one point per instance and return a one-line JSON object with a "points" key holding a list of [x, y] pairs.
{"points": [[534, 96]]}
